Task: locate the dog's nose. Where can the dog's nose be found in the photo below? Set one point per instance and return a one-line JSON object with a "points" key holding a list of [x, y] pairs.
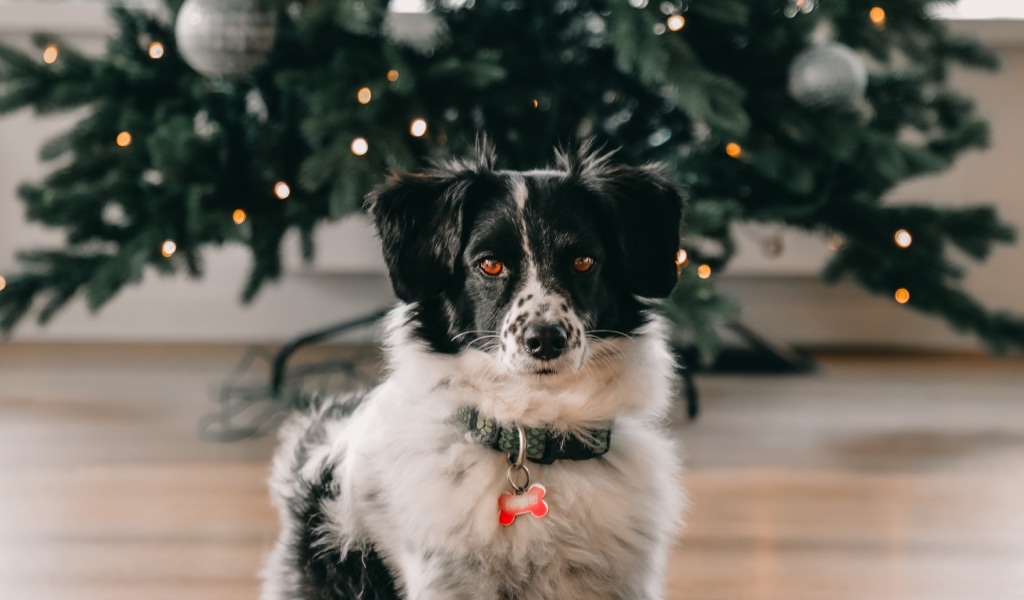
{"points": [[545, 340]]}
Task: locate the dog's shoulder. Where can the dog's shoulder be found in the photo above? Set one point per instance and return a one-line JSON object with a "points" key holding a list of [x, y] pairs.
{"points": [[313, 558]]}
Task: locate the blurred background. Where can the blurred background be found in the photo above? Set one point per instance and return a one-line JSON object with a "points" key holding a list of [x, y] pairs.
{"points": [[849, 266]]}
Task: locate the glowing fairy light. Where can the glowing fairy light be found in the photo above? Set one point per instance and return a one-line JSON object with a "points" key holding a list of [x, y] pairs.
{"points": [[50, 54], [418, 128], [903, 238], [282, 190], [675, 22], [877, 16], [239, 216], [704, 271], [168, 248], [364, 95], [902, 295], [734, 150], [124, 139], [156, 50], [3, 283], [360, 146], [393, 75], [682, 257]]}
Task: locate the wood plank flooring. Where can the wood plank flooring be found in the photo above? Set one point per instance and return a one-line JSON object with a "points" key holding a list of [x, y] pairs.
{"points": [[879, 477]]}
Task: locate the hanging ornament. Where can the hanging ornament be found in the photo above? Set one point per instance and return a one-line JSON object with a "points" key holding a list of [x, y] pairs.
{"points": [[225, 38], [831, 75]]}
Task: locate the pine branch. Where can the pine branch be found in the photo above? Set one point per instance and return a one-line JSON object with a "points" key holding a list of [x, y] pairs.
{"points": [[533, 74]]}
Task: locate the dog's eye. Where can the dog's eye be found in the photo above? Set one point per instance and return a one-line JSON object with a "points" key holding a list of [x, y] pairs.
{"points": [[492, 266], [582, 264]]}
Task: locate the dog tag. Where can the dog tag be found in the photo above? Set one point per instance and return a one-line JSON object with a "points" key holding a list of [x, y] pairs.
{"points": [[531, 501]]}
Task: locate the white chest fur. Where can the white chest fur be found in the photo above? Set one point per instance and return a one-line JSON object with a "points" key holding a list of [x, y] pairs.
{"points": [[427, 494]]}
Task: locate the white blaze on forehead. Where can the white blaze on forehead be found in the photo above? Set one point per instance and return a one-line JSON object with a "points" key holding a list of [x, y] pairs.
{"points": [[519, 191], [519, 195]]}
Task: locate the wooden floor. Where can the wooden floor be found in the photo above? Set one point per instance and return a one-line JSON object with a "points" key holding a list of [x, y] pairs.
{"points": [[876, 478]]}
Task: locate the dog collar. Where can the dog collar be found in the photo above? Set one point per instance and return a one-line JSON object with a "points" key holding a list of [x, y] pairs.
{"points": [[543, 446]]}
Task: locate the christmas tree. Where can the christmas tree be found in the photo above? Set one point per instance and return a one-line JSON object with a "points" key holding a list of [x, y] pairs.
{"points": [[248, 121]]}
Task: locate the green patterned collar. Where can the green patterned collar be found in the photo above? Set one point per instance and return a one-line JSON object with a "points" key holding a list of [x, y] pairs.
{"points": [[543, 446]]}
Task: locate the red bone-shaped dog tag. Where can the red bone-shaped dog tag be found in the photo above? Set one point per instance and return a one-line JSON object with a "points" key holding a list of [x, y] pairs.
{"points": [[531, 501]]}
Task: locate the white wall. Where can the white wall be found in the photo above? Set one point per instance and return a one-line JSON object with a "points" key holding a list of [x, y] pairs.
{"points": [[781, 296]]}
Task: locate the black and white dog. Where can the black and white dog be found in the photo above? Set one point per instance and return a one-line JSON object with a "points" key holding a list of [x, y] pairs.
{"points": [[516, 448]]}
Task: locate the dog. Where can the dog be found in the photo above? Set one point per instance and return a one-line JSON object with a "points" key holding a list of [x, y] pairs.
{"points": [[517, 446]]}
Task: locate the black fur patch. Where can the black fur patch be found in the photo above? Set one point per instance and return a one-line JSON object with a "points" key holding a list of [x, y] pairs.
{"points": [[326, 573], [323, 572]]}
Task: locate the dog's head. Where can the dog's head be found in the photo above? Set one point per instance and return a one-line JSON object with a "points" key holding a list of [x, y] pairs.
{"points": [[531, 268]]}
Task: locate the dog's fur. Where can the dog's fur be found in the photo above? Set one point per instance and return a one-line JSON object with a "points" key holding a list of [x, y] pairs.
{"points": [[387, 495]]}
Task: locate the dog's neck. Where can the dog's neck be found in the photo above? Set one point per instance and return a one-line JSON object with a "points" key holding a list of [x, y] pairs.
{"points": [[543, 446], [626, 377]]}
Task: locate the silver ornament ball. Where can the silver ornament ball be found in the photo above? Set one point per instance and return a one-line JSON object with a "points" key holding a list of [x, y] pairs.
{"points": [[832, 75], [225, 38]]}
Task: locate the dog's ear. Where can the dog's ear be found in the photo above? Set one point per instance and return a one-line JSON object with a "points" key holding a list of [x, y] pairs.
{"points": [[648, 209], [419, 219], [642, 208]]}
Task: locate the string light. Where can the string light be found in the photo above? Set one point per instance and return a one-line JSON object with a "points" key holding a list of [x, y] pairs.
{"points": [[360, 146], [418, 128], [734, 150], [877, 16], [168, 248], [903, 238], [902, 295], [675, 22], [393, 75], [682, 257], [364, 95], [238, 216], [3, 283], [835, 242], [50, 54], [704, 271], [124, 139], [536, 103], [281, 190], [156, 50]]}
